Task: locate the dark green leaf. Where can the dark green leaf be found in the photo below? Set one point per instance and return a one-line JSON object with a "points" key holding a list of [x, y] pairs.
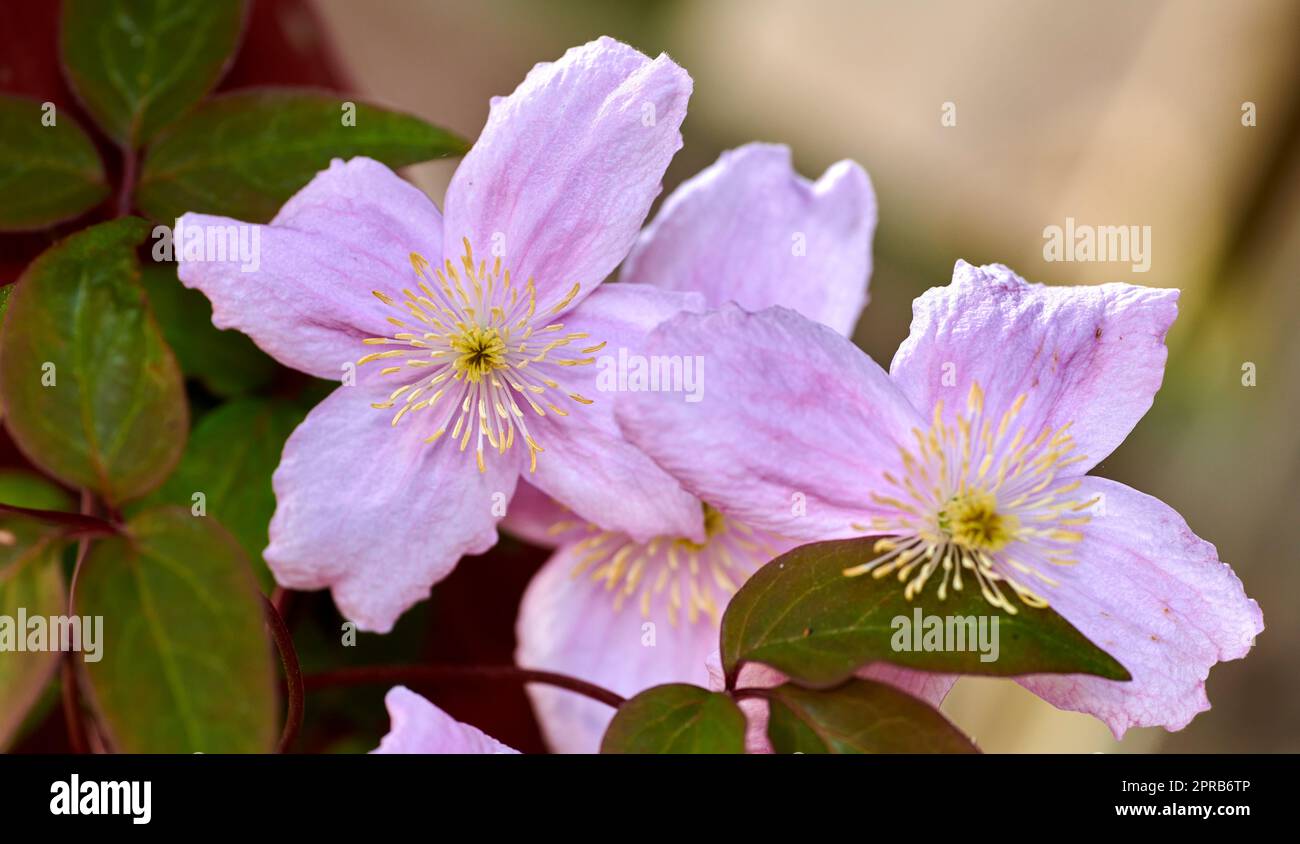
{"points": [[226, 362], [137, 65], [244, 154], [47, 173], [801, 615], [31, 580], [186, 663], [676, 718], [860, 716], [91, 392], [229, 460]]}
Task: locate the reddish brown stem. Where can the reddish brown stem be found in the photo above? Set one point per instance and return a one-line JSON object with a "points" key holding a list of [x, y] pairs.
{"points": [[293, 683], [77, 525], [368, 674], [126, 193]]}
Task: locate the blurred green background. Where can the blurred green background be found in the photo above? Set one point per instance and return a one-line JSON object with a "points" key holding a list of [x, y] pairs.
{"points": [[1114, 113]]}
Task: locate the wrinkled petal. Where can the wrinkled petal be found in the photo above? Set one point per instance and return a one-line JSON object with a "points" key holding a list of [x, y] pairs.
{"points": [[1155, 596], [1091, 356], [420, 727], [568, 624], [306, 296], [931, 688], [587, 464], [794, 424], [750, 230], [564, 172], [373, 512]]}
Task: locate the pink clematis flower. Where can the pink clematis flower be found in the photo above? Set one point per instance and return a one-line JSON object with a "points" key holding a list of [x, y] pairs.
{"points": [[474, 332], [627, 613], [969, 460], [420, 727]]}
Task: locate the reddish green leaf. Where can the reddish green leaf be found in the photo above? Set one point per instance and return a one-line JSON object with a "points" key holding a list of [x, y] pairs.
{"points": [[801, 615], [31, 581], [187, 663], [676, 718], [243, 154], [91, 392], [48, 173], [137, 65], [860, 716]]}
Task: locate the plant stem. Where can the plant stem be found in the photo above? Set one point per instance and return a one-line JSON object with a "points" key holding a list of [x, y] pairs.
{"points": [[126, 192], [368, 674], [68, 688], [752, 691], [81, 525], [71, 707], [292, 675]]}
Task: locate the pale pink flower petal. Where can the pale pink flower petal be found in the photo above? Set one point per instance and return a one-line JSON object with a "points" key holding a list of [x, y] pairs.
{"points": [[534, 516], [794, 424], [375, 513], [420, 727], [587, 464], [1156, 597], [1090, 356], [543, 208], [749, 229], [306, 298], [1134, 578], [568, 624], [929, 687], [566, 167]]}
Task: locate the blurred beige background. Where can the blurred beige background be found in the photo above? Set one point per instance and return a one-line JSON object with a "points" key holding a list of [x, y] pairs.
{"points": [[1114, 113]]}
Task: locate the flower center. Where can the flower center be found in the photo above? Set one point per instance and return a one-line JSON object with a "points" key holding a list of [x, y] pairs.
{"points": [[481, 351], [673, 573], [472, 349], [976, 499], [973, 522]]}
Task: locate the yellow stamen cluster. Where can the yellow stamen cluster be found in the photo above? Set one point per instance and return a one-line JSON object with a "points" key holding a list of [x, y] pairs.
{"points": [[480, 349], [975, 498], [696, 577]]}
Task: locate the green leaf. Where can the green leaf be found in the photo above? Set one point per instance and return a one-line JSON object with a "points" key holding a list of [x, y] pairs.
{"points": [[243, 154], [676, 718], [137, 65], [47, 173], [227, 363], [229, 460], [91, 392], [30, 579], [801, 615], [860, 716], [186, 663]]}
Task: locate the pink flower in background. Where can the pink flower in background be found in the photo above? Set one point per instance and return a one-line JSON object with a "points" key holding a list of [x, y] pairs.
{"points": [[420, 727], [474, 332], [627, 613], [969, 459]]}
